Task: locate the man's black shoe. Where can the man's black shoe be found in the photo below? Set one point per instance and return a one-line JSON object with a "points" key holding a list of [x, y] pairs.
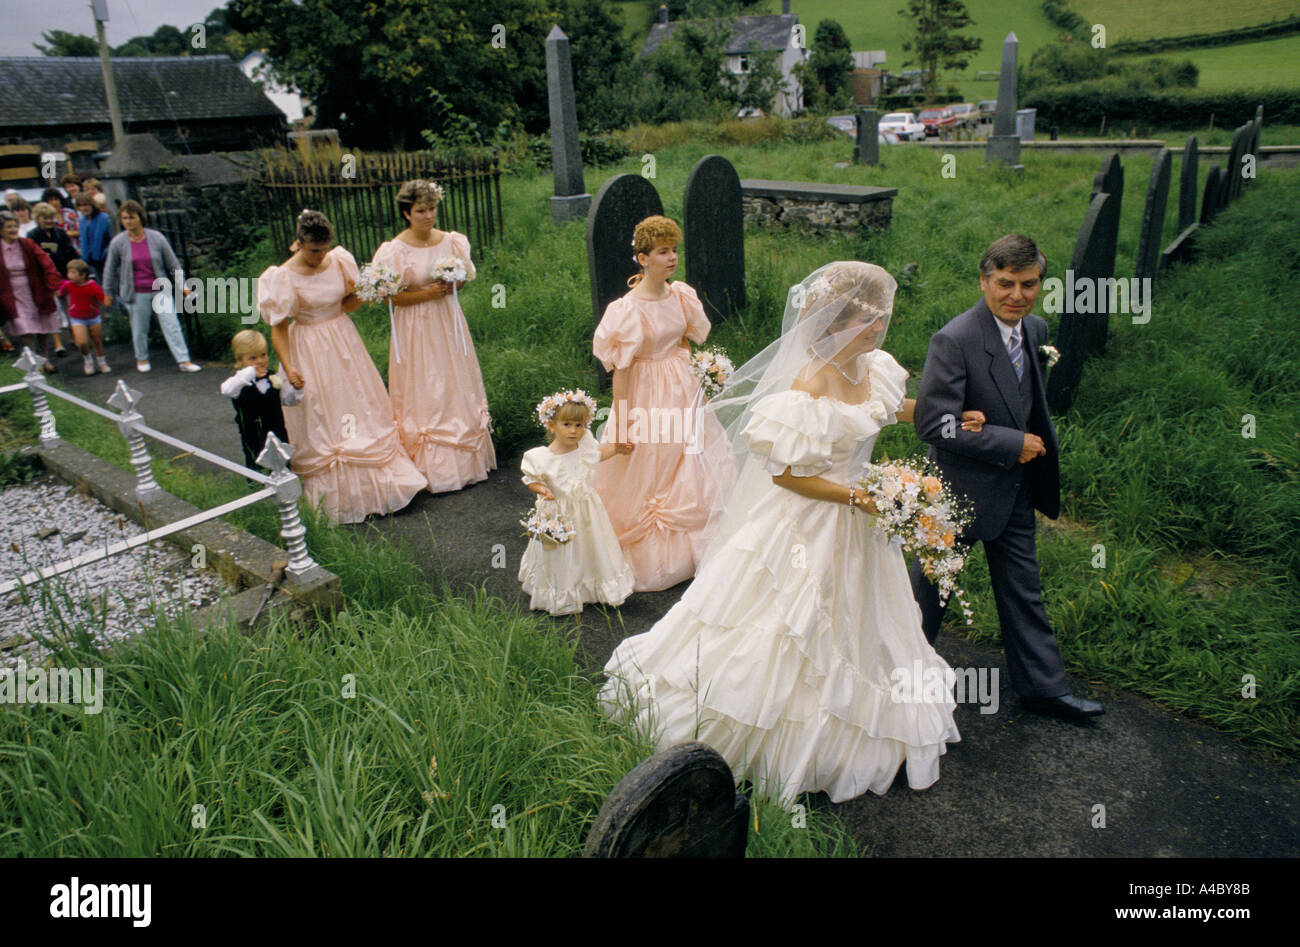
{"points": [[1067, 706]]}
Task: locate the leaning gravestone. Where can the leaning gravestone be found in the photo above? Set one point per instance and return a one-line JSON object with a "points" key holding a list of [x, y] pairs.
{"points": [[1153, 217], [715, 236], [571, 199], [681, 803], [621, 203], [866, 150], [1004, 144], [1236, 154], [1081, 333], [1104, 240], [1211, 198], [1187, 185]]}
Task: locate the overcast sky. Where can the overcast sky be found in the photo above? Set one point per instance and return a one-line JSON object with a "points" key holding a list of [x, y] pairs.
{"points": [[23, 21]]}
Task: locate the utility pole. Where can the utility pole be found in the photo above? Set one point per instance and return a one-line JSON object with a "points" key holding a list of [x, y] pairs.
{"points": [[100, 8]]}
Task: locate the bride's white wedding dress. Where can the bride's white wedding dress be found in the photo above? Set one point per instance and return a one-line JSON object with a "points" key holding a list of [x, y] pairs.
{"points": [[780, 654]]}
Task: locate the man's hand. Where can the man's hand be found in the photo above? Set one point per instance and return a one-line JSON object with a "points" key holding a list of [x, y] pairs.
{"points": [[1033, 447]]}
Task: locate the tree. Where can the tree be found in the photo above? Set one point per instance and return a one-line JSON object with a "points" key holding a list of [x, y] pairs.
{"points": [[63, 43], [831, 59], [370, 69], [936, 43]]}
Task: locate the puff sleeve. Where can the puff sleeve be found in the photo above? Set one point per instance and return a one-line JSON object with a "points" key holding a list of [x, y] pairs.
{"points": [[532, 464], [346, 262], [619, 336], [697, 323], [460, 249], [589, 454], [791, 429], [888, 384], [275, 295]]}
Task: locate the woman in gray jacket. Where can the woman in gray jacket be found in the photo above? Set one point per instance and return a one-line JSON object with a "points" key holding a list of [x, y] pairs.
{"points": [[137, 257]]}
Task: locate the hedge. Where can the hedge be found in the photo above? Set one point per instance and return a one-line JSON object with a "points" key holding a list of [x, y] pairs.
{"points": [[1085, 104]]}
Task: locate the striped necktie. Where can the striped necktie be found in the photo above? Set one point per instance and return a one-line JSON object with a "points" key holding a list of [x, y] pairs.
{"points": [[1013, 348]]}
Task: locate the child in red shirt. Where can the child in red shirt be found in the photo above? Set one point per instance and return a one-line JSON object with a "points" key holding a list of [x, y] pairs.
{"points": [[85, 296]]}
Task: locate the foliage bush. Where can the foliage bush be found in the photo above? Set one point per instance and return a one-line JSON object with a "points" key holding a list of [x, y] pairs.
{"points": [[1085, 105]]}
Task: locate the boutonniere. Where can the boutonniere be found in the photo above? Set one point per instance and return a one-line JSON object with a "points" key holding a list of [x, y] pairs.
{"points": [[1050, 354]]}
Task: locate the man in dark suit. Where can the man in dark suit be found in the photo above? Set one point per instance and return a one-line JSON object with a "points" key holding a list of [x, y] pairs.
{"points": [[987, 359]]}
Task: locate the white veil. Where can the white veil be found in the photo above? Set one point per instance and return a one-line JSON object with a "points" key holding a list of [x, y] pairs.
{"points": [[824, 313]]}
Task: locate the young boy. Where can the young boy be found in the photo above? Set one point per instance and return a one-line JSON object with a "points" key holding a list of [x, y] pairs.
{"points": [[67, 217], [84, 299], [257, 395]]}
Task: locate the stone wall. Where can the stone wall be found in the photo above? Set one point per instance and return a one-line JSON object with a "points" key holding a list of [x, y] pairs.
{"points": [[817, 207]]}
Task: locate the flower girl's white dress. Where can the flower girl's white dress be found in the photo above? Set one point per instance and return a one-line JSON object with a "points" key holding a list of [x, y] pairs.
{"points": [[782, 653], [590, 566]]}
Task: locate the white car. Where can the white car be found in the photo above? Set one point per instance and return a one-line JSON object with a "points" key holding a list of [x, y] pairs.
{"points": [[904, 125]]}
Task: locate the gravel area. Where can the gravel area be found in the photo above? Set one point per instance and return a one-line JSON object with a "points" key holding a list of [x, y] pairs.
{"points": [[46, 522]]}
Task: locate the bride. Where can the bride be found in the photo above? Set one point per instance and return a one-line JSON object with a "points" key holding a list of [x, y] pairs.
{"points": [[780, 653]]}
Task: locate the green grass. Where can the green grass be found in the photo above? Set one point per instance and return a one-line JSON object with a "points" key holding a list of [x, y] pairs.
{"points": [[1264, 64], [1127, 20]]}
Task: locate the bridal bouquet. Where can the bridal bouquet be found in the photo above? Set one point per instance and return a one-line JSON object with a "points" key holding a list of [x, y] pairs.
{"points": [[377, 281], [712, 367], [919, 512], [449, 269], [547, 525]]}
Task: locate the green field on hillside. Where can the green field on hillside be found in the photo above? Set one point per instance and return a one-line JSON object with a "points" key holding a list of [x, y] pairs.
{"points": [[1148, 19], [1273, 62]]}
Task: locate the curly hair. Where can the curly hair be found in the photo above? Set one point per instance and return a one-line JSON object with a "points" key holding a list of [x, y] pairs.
{"points": [[654, 231], [417, 192], [313, 227]]}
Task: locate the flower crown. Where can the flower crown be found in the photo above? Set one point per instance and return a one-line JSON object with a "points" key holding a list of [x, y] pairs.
{"points": [[547, 407]]}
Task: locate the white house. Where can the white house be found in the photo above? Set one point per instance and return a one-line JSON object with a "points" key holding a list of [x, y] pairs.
{"points": [[749, 34], [258, 68]]}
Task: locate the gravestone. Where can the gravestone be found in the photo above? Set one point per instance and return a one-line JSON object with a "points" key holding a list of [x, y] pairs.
{"points": [[1187, 185], [1080, 334], [621, 203], [714, 234], [867, 148], [1153, 216], [1004, 144], [1240, 147], [571, 199], [1109, 180], [1104, 240], [681, 803], [1025, 119], [1210, 200], [1256, 126]]}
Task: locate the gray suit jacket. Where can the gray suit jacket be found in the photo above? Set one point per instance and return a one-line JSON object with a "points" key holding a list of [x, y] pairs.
{"points": [[967, 368], [119, 274]]}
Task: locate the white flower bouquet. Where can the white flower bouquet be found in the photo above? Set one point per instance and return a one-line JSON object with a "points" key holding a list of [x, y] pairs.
{"points": [[919, 512], [449, 269], [376, 282], [712, 367], [1050, 354], [547, 525]]}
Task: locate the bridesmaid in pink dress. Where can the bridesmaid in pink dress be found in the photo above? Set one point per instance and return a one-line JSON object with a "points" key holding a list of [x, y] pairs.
{"points": [[346, 448], [433, 374], [658, 497]]}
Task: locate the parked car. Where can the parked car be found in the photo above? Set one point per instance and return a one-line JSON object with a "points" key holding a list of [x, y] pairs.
{"points": [[849, 125], [988, 108], [937, 121], [967, 114], [904, 125]]}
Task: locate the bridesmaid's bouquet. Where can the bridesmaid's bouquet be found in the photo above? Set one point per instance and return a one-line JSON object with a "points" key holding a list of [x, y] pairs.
{"points": [[547, 525], [712, 367], [376, 282], [449, 269], [922, 514]]}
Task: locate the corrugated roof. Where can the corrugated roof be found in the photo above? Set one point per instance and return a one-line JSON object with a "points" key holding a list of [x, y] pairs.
{"points": [[69, 90], [749, 33]]}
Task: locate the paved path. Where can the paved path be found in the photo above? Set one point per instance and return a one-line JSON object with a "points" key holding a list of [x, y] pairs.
{"points": [[1018, 784]]}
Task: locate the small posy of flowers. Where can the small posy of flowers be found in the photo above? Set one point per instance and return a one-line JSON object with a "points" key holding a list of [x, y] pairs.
{"points": [[449, 269], [712, 367], [922, 514], [1050, 354], [376, 282], [547, 407], [546, 524]]}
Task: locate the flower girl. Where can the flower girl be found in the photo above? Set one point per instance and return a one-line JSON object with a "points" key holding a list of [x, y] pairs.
{"points": [[573, 556]]}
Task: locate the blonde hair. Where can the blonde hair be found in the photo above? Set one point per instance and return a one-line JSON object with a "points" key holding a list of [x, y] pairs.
{"points": [[248, 342], [44, 210], [653, 232], [569, 411]]}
